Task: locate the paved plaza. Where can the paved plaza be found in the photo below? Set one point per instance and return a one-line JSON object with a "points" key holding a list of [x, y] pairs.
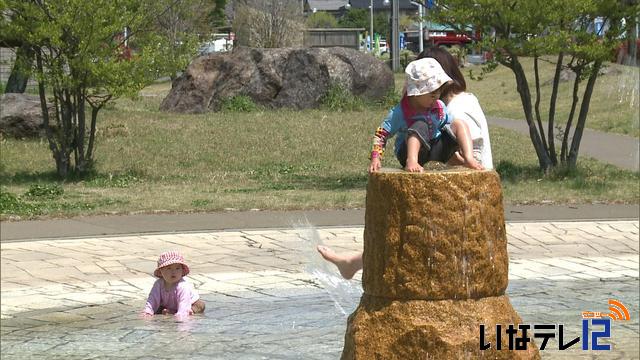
{"points": [[270, 296]]}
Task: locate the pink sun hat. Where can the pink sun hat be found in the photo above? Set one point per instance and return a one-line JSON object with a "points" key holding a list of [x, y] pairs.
{"points": [[169, 258]]}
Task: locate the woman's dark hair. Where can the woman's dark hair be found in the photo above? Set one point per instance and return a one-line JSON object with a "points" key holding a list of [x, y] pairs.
{"points": [[450, 66]]}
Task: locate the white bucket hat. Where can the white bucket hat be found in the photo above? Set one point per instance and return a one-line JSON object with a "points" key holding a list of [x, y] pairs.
{"points": [[425, 76]]}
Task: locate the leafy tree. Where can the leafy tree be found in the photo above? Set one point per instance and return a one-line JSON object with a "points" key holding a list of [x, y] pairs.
{"points": [[216, 16], [268, 23], [180, 25], [355, 18], [361, 18], [82, 62], [321, 19], [558, 29]]}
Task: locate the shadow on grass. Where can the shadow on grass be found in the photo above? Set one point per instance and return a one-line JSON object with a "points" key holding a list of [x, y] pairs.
{"points": [[294, 181], [91, 179], [585, 177], [23, 177]]}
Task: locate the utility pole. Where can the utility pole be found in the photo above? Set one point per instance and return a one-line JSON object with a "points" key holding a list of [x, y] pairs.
{"points": [[371, 33], [395, 36]]}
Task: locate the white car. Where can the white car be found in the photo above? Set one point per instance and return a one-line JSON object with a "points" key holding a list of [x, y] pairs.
{"points": [[383, 47]]}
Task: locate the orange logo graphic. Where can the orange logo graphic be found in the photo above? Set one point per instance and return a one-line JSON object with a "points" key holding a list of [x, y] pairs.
{"points": [[618, 312]]}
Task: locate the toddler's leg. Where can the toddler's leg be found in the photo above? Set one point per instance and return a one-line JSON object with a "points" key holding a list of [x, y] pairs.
{"points": [[348, 265], [413, 147], [456, 159], [463, 137], [198, 307]]}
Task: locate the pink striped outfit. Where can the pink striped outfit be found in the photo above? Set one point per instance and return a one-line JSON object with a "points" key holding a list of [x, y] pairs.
{"points": [[177, 300]]}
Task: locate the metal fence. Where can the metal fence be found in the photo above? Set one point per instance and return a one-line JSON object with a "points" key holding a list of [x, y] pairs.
{"points": [[333, 37]]}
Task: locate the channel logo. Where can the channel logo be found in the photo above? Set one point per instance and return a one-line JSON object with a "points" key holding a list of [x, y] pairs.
{"points": [[618, 312], [596, 327]]}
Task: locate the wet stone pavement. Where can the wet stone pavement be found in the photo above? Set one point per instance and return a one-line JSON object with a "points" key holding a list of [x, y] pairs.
{"points": [[270, 296]]}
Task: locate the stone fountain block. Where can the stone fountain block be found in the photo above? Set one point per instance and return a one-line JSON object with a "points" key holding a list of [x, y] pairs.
{"points": [[418, 329], [435, 235]]}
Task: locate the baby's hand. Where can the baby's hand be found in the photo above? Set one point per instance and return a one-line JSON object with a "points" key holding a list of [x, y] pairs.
{"points": [[375, 165]]}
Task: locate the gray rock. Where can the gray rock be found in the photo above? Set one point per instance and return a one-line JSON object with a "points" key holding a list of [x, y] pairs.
{"points": [[283, 77], [21, 115]]}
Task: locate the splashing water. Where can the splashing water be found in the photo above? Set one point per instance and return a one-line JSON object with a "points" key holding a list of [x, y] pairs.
{"points": [[344, 293]]}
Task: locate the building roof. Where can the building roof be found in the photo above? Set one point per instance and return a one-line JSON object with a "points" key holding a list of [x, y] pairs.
{"points": [[379, 5], [327, 5]]}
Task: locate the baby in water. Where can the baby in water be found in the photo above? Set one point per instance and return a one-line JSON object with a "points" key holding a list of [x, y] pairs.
{"points": [[172, 293]]}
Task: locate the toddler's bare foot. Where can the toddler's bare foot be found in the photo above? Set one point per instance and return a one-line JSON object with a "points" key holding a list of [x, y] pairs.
{"points": [[348, 265], [473, 164], [413, 167]]}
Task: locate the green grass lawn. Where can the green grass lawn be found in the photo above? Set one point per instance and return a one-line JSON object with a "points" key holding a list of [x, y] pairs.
{"points": [[150, 161]]}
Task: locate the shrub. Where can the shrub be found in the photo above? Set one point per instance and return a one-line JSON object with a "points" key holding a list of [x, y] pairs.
{"points": [[338, 98], [239, 103], [12, 204], [47, 191]]}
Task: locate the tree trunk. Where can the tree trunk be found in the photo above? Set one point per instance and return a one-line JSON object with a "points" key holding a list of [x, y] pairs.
{"points": [[565, 139], [525, 97], [62, 166], [552, 110], [19, 77], [537, 104], [582, 117]]}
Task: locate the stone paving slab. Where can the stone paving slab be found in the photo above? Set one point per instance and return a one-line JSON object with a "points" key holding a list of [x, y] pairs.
{"points": [[270, 295]]}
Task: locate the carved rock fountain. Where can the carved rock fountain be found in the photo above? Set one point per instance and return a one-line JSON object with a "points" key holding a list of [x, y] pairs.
{"points": [[435, 268]]}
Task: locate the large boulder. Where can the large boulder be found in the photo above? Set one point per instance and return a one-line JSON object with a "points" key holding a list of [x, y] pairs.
{"points": [[21, 115], [282, 77]]}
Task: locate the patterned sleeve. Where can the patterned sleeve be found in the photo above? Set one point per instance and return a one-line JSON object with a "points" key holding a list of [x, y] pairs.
{"points": [[153, 301], [382, 134]]}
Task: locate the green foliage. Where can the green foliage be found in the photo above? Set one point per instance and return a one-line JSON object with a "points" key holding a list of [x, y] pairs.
{"points": [[216, 16], [406, 56], [321, 19], [44, 191], [122, 180], [239, 103], [83, 62], [11, 204], [391, 99], [355, 18], [337, 98], [361, 18]]}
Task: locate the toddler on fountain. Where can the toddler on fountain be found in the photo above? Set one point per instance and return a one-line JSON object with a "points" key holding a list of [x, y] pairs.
{"points": [[425, 130], [172, 293]]}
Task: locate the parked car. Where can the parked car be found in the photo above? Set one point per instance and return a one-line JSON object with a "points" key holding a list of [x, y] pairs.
{"points": [[217, 45], [383, 47]]}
